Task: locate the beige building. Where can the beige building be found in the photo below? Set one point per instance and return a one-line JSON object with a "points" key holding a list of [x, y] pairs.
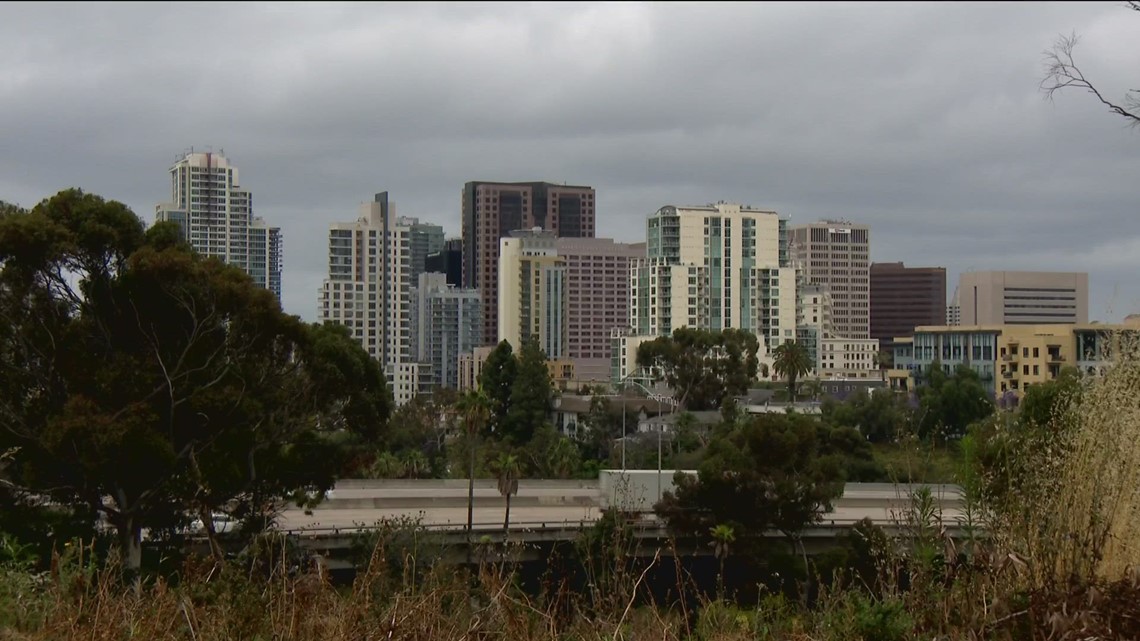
{"points": [[1010, 358], [1023, 298], [836, 255], [533, 293], [721, 266], [471, 366]]}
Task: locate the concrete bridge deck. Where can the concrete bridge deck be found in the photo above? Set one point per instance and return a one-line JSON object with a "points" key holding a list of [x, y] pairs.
{"points": [[442, 504]]}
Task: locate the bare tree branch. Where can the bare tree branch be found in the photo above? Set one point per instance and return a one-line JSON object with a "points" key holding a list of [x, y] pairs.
{"points": [[1061, 72]]}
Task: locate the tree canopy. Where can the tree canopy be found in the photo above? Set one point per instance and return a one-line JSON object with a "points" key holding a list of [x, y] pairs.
{"points": [[881, 416], [777, 471], [144, 381], [497, 379], [949, 404], [702, 366], [531, 395]]}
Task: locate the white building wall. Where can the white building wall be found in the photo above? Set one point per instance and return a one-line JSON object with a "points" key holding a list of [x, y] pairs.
{"points": [[848, 357]]}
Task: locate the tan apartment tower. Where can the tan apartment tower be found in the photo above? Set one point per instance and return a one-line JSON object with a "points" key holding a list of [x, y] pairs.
{"points": [[1023, 298], [532, 292], [836, 255], [492, 210]]}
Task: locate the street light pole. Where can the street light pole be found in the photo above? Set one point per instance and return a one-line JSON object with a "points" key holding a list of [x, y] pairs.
{"points": [[624, 400]]}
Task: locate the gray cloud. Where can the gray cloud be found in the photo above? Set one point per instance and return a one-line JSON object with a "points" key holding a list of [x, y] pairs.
{"points": [[922, 120]]}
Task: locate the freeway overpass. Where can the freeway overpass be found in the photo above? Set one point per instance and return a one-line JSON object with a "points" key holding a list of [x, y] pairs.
{"points": [[546, 511]]}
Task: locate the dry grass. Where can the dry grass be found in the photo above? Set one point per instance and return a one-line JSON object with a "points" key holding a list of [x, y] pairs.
{"points": [[1078, 517]]}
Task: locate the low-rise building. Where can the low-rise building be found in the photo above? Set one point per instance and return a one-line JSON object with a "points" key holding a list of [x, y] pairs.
{"points": [[1009, 358], [844, 358], [471, 366]]}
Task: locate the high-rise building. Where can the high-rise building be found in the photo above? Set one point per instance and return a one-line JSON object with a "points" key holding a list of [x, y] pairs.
{"points": [[813, 320], [903, 298], [426, 239], [598, 285], [837, 255], [448, 260], [369, 290], [533, 295], [1023, 298], [954, 310], [493, 210], [448, 322], [216, 218], [715, 267]]}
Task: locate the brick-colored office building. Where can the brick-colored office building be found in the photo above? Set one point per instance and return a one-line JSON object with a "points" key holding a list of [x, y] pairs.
{"points": [[492, 210], [598, 284], [903, 298]]}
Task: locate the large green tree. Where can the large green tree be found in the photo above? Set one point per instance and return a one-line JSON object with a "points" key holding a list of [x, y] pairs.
{"points": [[703, 367], [775, 472], [881, 416], [497, 380], [949, 404], [143, 381], [791, 361], [531, 395]]}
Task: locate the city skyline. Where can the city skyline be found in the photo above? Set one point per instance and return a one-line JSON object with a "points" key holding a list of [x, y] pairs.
{"points": [[923, 122]]}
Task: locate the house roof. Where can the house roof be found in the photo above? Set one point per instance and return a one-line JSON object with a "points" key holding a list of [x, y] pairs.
{"points": [[703, 417], [576, 404], [757, 396]]}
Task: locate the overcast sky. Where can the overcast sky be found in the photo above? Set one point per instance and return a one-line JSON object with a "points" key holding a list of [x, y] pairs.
{"points": [[924, 120]]}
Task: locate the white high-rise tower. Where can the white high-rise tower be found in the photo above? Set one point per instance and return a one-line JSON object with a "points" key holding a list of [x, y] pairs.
{"points": [[369, 289], [216, 217]]}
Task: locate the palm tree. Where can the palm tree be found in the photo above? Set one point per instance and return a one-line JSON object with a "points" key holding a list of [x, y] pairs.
{"points": [[475, 408], [562, 459], [415, 464], [791, 361], [507, 468], [723, 536], [813, 388]]}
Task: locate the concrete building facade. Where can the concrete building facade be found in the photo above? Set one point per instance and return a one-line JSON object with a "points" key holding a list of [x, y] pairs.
{"points": [[721, 266], [813, 321], [598, 299], [491, 211], [533, 292], [369, 289], [954, 310], [447, 322], [215, 216], [903, 298], [836, 255], [1023, 298], [848, 358]]}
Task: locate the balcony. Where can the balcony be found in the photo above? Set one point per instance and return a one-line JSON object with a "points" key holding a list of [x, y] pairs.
{"points": [[1007, 374], [1009, 358], [1056, 358]]}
